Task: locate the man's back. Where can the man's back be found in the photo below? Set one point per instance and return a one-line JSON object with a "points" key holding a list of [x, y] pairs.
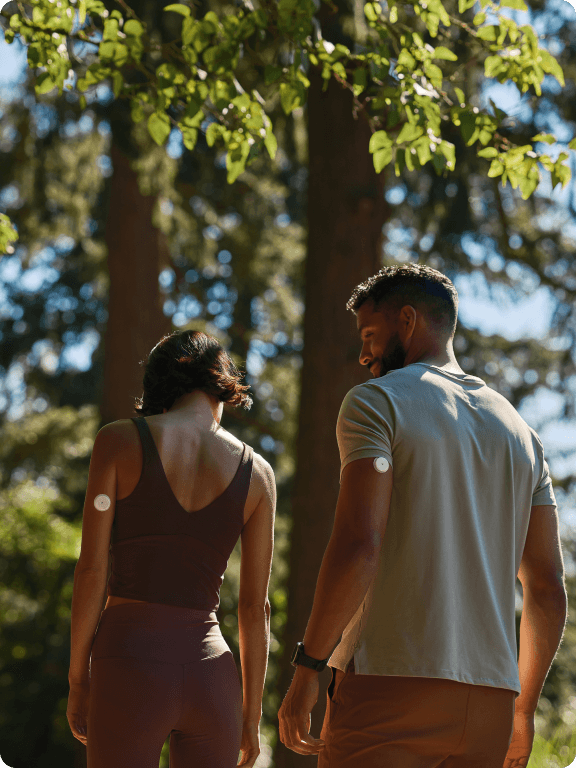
{"points": [[467, 469]]}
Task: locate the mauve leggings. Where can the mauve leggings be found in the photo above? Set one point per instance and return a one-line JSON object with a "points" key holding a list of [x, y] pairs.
{"points": [[158, 671]]}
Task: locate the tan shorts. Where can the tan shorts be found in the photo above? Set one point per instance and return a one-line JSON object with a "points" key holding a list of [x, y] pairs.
{"points": [[385, 721]]}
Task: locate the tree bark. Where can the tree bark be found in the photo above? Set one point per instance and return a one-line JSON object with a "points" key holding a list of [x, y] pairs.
{"points": [[346, 212], [137, 252]]}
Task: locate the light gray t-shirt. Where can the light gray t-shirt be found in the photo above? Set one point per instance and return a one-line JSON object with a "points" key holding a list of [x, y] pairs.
{"points": [[466, 470]]}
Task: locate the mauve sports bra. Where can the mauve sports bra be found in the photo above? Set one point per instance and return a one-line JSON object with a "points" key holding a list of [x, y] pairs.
{"points": [[163, 554]]}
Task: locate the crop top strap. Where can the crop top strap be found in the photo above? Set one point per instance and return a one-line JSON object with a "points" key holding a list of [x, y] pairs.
{"points": [[148, 446], [244, 476]]}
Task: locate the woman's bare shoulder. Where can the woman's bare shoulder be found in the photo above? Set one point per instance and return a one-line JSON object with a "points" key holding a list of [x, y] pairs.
{"points": [[262, 471]]}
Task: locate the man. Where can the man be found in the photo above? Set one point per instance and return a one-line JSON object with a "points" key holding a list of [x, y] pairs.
{"points": [[445, 499]]}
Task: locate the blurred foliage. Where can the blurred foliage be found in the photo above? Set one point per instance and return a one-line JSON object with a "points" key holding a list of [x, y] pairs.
{"points": [[193, 80], [237, 257]]}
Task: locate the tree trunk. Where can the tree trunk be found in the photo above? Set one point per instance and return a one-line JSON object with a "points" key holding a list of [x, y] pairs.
{"points": [[137, 252], [346, 212]]}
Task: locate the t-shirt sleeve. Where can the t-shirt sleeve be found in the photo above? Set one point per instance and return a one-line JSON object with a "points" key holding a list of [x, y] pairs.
{"points": [[544, 493], [364, 426]]}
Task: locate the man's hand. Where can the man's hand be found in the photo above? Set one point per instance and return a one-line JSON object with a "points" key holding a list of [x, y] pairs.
{"points": [[294, 714]]}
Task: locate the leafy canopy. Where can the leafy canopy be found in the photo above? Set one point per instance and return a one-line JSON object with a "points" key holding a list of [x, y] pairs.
{"points": [[408, 87]]}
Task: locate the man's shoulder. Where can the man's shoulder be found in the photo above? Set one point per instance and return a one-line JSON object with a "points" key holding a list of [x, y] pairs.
{"points": [[369, 394]]}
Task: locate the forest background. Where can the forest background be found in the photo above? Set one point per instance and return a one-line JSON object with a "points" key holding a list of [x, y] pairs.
{"points": [[122, 240]]}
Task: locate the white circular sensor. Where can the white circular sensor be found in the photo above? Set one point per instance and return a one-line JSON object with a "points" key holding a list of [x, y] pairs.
{"points": [[381, 464], [102, 502]]}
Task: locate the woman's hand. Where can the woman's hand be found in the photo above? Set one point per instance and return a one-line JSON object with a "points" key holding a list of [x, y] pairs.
{"points": [[77, 710], [250, 744]]}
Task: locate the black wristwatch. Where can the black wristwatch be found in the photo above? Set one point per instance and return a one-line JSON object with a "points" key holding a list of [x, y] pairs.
{"points": [[299, 657]]}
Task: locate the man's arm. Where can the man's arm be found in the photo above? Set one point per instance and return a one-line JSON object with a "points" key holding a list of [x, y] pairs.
{"points": [[351, 558], [544, 611], [541, 629]]}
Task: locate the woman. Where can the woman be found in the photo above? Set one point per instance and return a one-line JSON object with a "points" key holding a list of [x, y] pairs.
{"points": [[185, 491]]}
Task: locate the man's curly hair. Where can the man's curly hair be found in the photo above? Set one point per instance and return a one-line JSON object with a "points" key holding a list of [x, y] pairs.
{"points": [[186, 360], [427, 290]]}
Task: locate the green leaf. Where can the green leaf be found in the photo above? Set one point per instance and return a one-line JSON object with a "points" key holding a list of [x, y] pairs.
{"points": [[271, 73], [115, 52], [136, 110], [291, 97], [572, 144], [405, 59], [117, 82], [496, 168], [184, 10], [531, 37], [236, 160], [189, 136], [359, 80], [271, 143], [133, 28], [448, 149], [382, 157], [379, 140], [493, 65], [213, 131], [159, 127], [408, 157], [38, 15], [82, 12], [434, 74], [488, 152], [423, 149], [550, 65], [520, 5], [480, 18], [528, 185], [210, 22], [8, 233], [487, 33], [444, 53], [547, 137], [485, 135], [44, 83], [409, 132], [189, 30], [439, 163], [437, 7], [261, 18], [460, 94], [110, 33], [194, 116], [370, 12]]}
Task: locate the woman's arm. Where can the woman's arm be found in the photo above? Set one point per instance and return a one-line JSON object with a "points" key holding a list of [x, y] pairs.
{"points": [[257, 545], [87, 602], [91, 572]]}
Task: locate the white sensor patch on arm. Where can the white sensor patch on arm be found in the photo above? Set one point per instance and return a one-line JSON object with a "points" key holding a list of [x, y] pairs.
{"points": [[381, 464], [102, 502]]}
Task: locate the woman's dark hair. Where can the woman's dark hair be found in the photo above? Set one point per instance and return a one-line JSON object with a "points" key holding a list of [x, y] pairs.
{"points": [[186, 360], [427, 290]]}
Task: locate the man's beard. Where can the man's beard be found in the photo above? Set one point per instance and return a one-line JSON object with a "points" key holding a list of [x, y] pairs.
{"points": [[393, 358]]}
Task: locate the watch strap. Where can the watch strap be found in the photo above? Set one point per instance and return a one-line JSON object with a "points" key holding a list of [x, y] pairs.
{"points": [[299, 657]]}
